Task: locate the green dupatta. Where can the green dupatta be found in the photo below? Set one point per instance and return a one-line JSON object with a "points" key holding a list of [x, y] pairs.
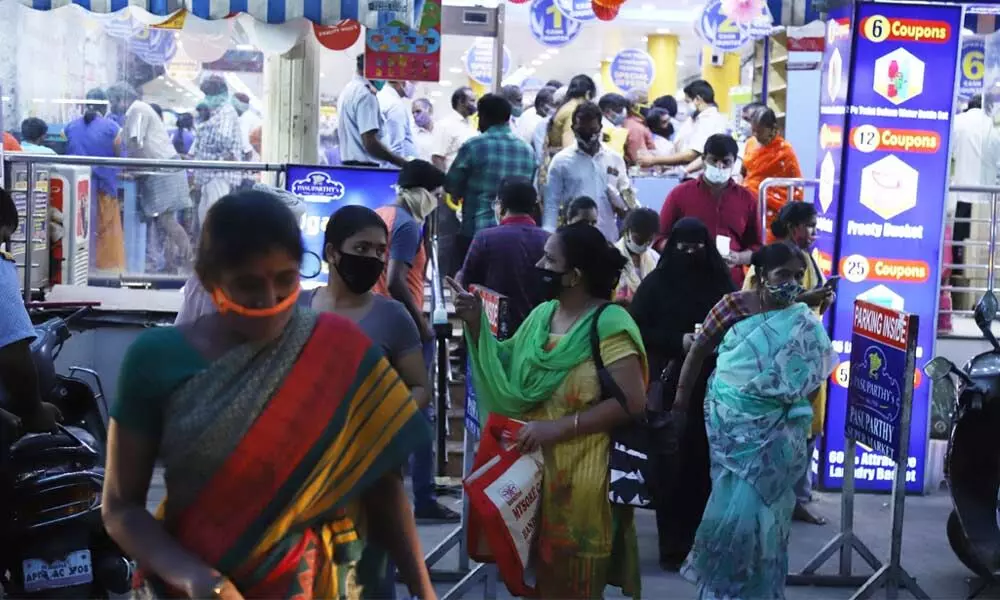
{"points": [[514, 375]]}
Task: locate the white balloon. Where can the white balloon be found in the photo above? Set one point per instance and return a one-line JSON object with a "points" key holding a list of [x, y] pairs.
{"points": [[275, 38], [205, 41]]}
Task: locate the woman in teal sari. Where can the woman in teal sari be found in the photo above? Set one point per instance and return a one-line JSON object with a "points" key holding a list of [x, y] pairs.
{"points": [[772, 354]]}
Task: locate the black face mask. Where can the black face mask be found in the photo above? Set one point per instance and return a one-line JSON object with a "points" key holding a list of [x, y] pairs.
{"points": [[589, 143], [549, 283], [360, 273]]}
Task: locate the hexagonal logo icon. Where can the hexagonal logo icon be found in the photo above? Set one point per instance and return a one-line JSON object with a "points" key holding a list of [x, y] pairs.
{"points": [[826, 180], [899, 76], [834, 75], [889, 187], [882, 296]]}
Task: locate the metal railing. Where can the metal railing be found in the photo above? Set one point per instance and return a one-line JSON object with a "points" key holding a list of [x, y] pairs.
{"points": [[789, 183], [442, 336], [31, 160]]}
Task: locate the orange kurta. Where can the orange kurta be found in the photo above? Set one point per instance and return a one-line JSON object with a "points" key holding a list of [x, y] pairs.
{"points": [[776, 159]]}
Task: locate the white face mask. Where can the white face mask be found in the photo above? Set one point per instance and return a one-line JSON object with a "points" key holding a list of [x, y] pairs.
{"points": [[716, 174], [636, 248]]}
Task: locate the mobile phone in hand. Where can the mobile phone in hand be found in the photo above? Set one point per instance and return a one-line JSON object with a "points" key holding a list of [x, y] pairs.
{"points": [[832, 282]]}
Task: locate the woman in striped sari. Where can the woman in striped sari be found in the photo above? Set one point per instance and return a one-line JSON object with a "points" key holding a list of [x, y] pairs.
{"points": [[281, 433]]}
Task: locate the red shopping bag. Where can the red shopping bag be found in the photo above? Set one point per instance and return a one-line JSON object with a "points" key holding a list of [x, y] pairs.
{"points": [[505, 497], [499, 433]]}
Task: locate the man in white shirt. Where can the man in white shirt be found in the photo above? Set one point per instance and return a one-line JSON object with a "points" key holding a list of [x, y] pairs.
{"points": [[160, 195], [589, 169], [529, 121], [249, 120], [359, 127], [397, 128], [706, 122], [975, 151], [455, 130], [515, 96], [424, 136]]}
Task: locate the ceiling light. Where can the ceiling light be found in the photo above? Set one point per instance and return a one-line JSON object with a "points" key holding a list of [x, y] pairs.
{"points": [[680, 63], [648, 7], [553, 51], [245, 47], [436, 94], [322, 74], [445, 83], [455, 70], [663, 30], [644, 39], [537, 63]]}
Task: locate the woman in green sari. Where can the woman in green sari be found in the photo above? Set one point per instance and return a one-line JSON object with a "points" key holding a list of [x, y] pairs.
{"points": [[545, 375], [773, 352]]}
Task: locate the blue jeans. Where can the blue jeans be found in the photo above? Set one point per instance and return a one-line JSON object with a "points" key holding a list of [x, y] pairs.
{"points": [[422, 462]]}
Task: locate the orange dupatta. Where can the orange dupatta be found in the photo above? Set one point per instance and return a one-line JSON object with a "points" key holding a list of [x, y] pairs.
{"points": [[776, 159]]}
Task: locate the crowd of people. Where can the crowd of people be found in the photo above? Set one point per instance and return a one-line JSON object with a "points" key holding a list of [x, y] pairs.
{"points": [[242, 398]]}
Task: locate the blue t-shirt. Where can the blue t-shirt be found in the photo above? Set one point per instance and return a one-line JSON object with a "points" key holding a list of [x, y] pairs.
{"points": [[15, 325], [405, 237]]}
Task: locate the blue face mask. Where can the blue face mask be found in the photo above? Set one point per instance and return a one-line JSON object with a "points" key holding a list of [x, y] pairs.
{"points": [[378, 84], [785, 293]]}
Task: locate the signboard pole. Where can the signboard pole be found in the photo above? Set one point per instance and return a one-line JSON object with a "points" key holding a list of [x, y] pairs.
{"points": [[498, 48]]}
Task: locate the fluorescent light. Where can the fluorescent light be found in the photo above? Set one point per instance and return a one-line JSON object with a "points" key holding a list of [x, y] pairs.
{"points": [[455, 70], [680, 63], [553, 51], [648, 7], [322, 74], [663, 30], [245, 47], [644, 39], [537, 63], [445, 83], [160, 77]]}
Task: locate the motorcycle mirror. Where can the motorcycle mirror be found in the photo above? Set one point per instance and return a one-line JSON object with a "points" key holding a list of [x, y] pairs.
{"points": [[939, 368], [312, 265], [985, 312]]}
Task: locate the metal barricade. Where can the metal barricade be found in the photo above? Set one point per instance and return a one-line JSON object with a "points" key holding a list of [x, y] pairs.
{"points": [[984, 194], [31, 160], [790, 183]]}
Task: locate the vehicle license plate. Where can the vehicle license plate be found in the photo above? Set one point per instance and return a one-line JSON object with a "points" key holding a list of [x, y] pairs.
{"points": [[75, 569]]}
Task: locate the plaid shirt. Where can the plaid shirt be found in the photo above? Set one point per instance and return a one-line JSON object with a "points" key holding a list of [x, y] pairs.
{"points": [[729, 311], [482, 163], [219, 138]]}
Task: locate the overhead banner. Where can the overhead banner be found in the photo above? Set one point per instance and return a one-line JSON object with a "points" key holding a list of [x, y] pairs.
{"points": [[632, 69], [893, 182], [972, 67], [398, 53], [478, 61], [550, 26], [326, 189], [581, 10]]}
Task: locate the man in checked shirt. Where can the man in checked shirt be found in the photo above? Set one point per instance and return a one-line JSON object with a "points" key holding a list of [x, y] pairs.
{"points": [[218, 138], [481, 164]]}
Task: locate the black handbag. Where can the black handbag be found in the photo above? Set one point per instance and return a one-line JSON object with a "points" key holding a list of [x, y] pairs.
{"points": [[630, 469]]}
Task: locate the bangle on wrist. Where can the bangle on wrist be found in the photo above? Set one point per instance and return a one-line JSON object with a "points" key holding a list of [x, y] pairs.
{"points": [[576, 425]]}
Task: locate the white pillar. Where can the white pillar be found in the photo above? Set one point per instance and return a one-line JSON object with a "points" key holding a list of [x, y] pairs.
{"points": [[291, 95]]}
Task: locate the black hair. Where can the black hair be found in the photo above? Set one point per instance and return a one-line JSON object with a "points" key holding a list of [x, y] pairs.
{"points": [[8, 211], [587, 111], [242, 226], [643, 221], [654, 121], [493, 109], [214, 85], [774, 256], [586, 249], [544, 97], [511, 91], [700, 88], [33, 129], [349, 220], [554, 83], [185, 121], [667, 103], [93, 109], [581, 86], [361, 64], [975, 102], [791, 216], [517, 195], [156, 108], [765, 117], [458, 96], [578, 205], [721, 145], [752, 109], [613, 102]]}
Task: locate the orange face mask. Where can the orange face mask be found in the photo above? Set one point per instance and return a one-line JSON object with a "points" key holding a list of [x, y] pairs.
{"points": [[226, 305]]}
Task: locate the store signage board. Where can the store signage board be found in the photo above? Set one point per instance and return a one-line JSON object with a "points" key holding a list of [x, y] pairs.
{"points": [[972, 66], [326, 189], [725, 34], [632, 69], [581, 10], [891, 200], [478, 61], [550, 26], [339, 36], [396, 52], [497, 309]]}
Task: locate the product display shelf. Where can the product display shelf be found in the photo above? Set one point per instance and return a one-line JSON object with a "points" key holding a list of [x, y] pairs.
{"points": [[770, 72]]}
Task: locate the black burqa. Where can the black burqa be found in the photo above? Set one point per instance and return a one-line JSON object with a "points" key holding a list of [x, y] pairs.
{"points": [[689, 280]]}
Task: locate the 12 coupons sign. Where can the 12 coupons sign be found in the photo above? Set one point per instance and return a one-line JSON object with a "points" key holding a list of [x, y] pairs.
{"points": [[885, 200]]}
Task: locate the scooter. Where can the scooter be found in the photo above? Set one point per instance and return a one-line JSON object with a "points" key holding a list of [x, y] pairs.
{"points": [[972, 461], [54, 543]]}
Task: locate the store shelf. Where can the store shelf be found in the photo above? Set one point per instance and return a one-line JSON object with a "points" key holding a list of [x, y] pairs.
{"points": [[773, 75]]}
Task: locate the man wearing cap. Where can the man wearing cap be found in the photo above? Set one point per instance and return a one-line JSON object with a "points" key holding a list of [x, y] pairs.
{"points": [[419, 190]]}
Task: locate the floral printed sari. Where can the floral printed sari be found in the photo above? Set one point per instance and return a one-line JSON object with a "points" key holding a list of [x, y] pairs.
{"points": [[758, 416]]}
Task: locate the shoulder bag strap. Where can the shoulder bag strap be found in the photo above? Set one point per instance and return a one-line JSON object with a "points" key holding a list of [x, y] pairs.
{"points": [[609, 389]]}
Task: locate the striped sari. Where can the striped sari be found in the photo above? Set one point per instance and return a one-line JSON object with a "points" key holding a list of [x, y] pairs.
{"points": [[268, 451]]}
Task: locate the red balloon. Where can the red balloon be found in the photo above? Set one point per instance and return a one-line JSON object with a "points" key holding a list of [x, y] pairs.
{"points": [[340, 36], [605, 13]]}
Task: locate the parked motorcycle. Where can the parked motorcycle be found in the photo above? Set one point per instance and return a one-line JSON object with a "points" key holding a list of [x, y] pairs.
{"points": [[54, 543], [972, 462]]}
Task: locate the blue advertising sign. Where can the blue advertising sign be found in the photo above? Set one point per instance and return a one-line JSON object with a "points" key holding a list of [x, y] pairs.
{"points": [[478, 61], [891, 197], [550, 26], [972, 67], [581, 10], [719, 31], [880, 341], [632, 69], [325, 189]]}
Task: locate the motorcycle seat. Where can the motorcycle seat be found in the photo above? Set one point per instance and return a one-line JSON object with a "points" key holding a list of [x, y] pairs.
{"points": [[35, 445]]}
